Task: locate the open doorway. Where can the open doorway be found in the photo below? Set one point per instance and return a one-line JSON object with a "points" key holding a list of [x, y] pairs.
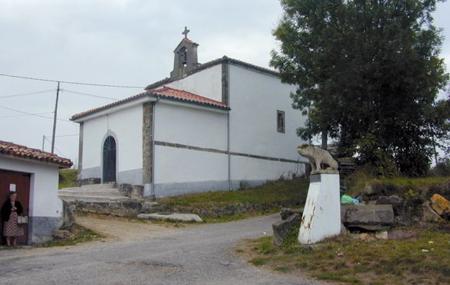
{"points": [[20, 182]]}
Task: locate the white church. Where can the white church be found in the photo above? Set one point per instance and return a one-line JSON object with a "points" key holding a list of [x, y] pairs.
{"points": [[212, 126]]}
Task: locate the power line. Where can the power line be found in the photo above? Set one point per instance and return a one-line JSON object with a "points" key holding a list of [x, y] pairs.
{"points": [[70, 82], [63, 136], [26, 94], [25, 115], [52, 90], [89, 94], [32, 114], [57, 149]]}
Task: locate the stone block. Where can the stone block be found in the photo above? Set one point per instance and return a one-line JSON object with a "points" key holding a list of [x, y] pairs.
{"points": [[125, 189], [137, 192], [282, 228], [393, 200], [429, 215], [368, 217]]}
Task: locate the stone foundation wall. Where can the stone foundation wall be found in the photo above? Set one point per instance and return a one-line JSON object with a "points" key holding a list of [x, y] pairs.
{"points": [[221, 211], [121, 209]]}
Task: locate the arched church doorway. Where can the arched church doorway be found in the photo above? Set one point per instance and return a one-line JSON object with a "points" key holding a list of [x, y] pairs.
{"points": [[109, 160]]}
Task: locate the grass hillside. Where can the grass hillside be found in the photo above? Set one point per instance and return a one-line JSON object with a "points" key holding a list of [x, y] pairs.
{"points": [[67, 178], [424, 259], [221, 206], [360, 179]]}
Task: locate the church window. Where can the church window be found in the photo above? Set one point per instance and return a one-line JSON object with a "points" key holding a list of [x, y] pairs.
{"points": [[280, 122]]}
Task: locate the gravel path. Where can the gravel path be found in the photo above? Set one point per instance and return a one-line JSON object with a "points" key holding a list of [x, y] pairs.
{"points": [[192, 255]]}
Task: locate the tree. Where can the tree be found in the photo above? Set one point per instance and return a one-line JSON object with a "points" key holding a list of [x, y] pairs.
{"points": [[368, 74]]}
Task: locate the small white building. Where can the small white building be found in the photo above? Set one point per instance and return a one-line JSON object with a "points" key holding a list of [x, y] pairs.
{"points": [[213, 126], [33, 175]]}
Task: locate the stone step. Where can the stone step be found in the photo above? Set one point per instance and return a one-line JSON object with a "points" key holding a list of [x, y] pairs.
{"points": [[105, 192], [92, 187], [102, 193]]}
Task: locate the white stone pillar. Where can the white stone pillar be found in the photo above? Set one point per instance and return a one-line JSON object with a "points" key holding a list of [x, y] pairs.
{"points": [[322, 213]]}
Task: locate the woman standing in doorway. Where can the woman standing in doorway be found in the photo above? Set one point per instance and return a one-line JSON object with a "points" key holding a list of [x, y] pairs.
{"points": [[10, 211]]}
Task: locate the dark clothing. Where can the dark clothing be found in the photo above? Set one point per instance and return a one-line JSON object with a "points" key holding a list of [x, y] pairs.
{"points": [[6, 209]]}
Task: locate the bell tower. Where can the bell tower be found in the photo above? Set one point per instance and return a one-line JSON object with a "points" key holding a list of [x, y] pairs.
{"points": [[185, 56]]}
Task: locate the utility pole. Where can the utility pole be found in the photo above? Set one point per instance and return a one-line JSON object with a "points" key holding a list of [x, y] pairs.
{"points": [[55, 114], [43, 142]]}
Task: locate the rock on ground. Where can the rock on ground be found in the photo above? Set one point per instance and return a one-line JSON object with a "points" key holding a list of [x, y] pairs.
{"points": [[282, 228], [174, 217], [429, 215]]}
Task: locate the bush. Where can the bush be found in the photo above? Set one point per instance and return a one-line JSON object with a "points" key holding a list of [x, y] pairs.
{"points": [[442, 168]]}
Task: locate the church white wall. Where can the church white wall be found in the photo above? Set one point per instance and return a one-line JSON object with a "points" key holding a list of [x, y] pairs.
{"points": [[179, 171], [256, 171], [182, 170], [126, 127], [184, 165], [190, 126], [206, 83], [255, 98]]}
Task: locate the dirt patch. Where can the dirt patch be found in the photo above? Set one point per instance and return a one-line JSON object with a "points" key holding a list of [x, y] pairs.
{"points": [[123, 229]]}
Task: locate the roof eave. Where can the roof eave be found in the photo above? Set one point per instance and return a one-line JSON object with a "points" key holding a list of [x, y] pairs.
{"points": [[35, 160], [197, 105], [106, 110]]}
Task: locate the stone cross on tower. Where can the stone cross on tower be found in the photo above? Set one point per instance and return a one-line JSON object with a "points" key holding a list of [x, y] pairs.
{"points": [[185, 56], [185, 32]]}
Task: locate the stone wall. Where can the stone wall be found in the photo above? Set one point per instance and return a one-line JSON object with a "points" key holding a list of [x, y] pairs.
{"points": [[129, 208]]}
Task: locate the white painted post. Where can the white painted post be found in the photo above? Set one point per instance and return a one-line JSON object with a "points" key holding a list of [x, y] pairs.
{"points": [[322, 213]]}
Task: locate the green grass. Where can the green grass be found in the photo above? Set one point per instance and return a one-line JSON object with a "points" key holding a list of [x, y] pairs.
{"points": [[423, 260], [416, 181], [360, 179], [67, 178], [81, 235], [272, 192], [265, 199]]}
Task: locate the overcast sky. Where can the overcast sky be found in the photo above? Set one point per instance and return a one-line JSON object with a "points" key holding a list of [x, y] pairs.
{"points": [[118, 42]]}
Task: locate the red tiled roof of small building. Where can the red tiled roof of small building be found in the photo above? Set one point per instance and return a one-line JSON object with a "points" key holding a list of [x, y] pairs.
{"points": [[163, 92], [21, 151]]}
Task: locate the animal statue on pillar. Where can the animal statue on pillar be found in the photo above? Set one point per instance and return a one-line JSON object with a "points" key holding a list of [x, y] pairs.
{"points": [[317, 157]]}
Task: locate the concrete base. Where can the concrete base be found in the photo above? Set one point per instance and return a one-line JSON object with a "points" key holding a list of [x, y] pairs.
{"points": [[322, 213]]}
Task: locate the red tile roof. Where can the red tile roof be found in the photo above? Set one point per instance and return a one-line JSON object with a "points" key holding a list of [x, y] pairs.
{"points": [[164, 93], [182, 95], [21, 151]]}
